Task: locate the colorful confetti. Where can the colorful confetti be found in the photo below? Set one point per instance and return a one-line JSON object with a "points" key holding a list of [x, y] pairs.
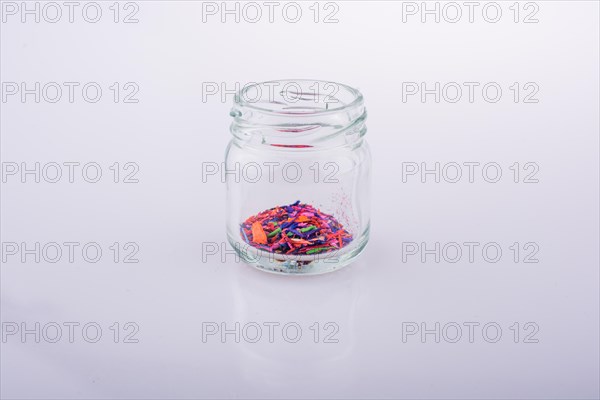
{"points": [[297, 229]]}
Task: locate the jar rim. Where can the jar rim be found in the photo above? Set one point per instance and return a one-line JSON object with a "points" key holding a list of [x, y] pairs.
{"points": [[351, 97]]}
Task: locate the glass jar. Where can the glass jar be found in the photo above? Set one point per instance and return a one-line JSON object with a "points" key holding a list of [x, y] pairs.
{"points": [[298, 176]]}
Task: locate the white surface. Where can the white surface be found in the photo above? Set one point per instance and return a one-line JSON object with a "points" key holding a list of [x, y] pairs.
{"points": [[170, 213]]}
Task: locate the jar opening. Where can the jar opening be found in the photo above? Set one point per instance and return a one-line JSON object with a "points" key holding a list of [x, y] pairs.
{"points": [[300, 96], [298, 114]]}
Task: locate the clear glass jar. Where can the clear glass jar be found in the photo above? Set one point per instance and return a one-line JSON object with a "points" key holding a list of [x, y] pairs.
{"points": [[298, 176]]}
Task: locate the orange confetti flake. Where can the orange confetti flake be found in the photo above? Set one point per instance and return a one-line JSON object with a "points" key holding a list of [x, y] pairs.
{"points": [[258, 234]]}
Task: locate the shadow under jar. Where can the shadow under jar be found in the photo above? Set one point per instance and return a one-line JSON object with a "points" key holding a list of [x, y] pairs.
{"points": [[298, 176]]}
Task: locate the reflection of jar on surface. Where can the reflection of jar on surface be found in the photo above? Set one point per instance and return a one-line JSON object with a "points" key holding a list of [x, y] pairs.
{"points": [[322, 346], [298, 176]]}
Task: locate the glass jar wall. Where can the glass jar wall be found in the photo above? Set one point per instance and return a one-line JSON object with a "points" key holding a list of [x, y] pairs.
{"points": [[298, 176]]}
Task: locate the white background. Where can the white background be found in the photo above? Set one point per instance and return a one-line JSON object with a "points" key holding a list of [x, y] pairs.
{"points": [[171, 214]]}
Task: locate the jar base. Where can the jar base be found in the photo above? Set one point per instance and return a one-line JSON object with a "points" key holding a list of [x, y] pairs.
{"points": [[299, 264]]}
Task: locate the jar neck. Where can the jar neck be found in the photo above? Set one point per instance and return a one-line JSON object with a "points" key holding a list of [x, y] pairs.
{"points": [[298, 115]]}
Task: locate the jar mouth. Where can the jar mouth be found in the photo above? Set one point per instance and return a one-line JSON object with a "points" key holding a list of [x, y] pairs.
{"points": [[298, 115], [298, 97]]}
